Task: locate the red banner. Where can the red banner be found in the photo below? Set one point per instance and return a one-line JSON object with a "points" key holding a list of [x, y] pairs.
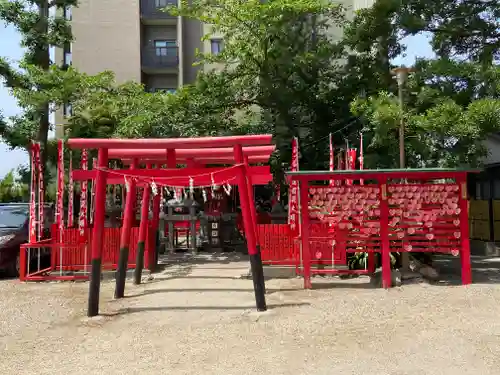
{"points": [[71, 190], [60, 187], [82, 219], [351, 162], [332, 160], [293, 196], [92, 195], [41, 191], [178, 194], [361, 159], [33, 186]]}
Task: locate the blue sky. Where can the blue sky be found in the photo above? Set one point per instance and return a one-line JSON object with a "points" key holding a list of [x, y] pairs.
{"points": [[418, 46]]}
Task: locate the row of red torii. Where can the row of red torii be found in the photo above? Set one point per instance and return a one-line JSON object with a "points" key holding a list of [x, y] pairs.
{"points": [[195, 154], [379, 228]]}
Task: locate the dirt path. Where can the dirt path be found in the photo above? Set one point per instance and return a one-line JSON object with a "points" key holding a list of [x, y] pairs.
{"points": [[199, 319]]}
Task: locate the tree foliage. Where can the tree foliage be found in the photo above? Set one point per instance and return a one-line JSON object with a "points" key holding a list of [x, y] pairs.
{"points": [[451, 101], [12, 189], [40, 26], [280, 60]]}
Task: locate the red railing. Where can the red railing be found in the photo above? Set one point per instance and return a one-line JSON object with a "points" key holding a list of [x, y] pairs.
{"points": [[277, 245], [68, 257]]}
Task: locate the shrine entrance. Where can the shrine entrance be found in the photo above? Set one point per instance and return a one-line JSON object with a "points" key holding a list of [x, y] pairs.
{"points": [[207, 166]]}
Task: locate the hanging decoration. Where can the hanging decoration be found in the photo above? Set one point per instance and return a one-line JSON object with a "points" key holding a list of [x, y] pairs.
{"points": [[178, 194], [191, 187], [214, 186], [92, 195], [127, 184], [71, 191], [82, 219], [154, 189], [227, 189], [293, 196]]}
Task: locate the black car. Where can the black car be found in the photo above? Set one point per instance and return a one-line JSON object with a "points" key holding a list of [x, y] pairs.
{"points": [[14, 231]]}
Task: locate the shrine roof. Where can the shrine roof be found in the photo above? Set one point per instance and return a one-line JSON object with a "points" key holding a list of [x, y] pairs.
{"points": [[170, 143], [377, 173]]}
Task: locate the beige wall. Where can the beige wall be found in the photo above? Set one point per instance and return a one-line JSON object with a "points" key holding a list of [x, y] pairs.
{"points": [[192, 32], [107, 37]]}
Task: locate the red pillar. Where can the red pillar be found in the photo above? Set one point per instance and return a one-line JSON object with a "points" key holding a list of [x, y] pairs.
{"points": [[253, 251], [143, 230], [252, 199], [97, 233], [384, 236], [304, 232], [464, 232], [171, 158], [121, 272], [371, 262]]}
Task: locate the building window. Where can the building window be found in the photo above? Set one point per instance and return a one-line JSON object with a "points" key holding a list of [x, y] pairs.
{"points": [[165, 47], [67, 54], [67, 58], [67, 13], [67, 110], [164, 3], [165, 90], [217, 45]]}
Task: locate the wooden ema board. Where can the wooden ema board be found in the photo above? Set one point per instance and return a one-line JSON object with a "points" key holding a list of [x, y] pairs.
{"points": [[347, 219], [424, 217], [343, 219]]}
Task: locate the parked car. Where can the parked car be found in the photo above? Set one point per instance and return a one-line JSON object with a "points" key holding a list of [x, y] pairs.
{"points": [[14, 231]]}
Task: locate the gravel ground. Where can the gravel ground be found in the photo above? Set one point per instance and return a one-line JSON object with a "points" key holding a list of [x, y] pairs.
{"points": [[199, 319]]}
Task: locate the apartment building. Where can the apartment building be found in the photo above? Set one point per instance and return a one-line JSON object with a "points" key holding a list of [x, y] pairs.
{"points": [[139, 42]]}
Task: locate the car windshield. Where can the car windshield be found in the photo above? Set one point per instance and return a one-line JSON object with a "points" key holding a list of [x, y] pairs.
{"points": [[13, 217]]}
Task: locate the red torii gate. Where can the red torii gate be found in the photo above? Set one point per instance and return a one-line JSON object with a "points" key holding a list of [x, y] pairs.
{"points": [[195, 152]]}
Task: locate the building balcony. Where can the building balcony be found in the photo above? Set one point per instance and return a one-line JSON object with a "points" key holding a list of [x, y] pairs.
{"points": [[163, 60], [152, 12]]}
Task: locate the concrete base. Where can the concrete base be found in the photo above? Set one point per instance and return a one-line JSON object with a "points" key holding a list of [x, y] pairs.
{"points": [[484, 248], [109, 275], [279, 272], [287, 272]]}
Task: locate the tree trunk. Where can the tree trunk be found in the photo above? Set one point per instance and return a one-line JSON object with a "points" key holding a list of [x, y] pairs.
{"points": [[43, 60]]}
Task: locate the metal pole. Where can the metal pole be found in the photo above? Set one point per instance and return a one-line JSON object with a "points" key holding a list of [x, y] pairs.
{"points": [[401, 76], [401, 82]]}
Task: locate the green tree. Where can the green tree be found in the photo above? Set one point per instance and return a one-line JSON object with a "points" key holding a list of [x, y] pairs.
{"points": [[280, 61], [41, 25], [12, 189], [452, 101]]}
